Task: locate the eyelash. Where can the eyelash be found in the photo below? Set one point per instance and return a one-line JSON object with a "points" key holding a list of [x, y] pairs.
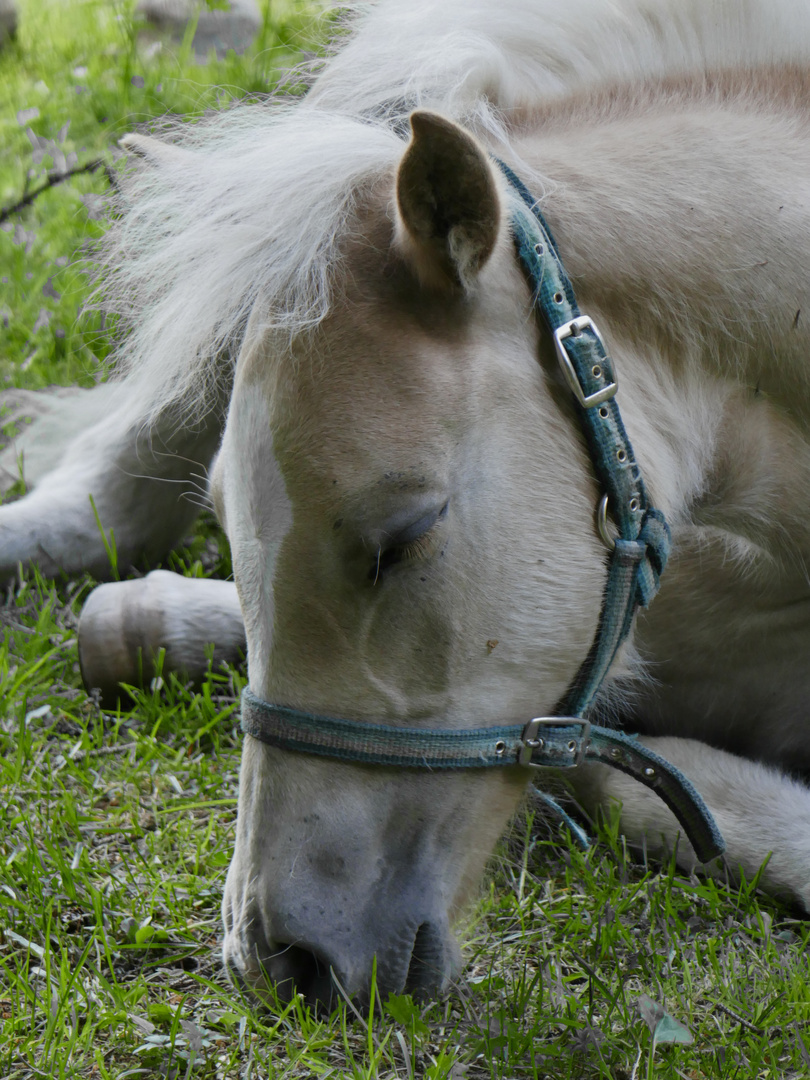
{"points": [[412, 551]]}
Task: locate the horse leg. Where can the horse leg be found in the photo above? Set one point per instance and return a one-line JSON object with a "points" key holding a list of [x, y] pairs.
{"points": [[46, 422], [125, 624], [760, 811], [144, 484]]}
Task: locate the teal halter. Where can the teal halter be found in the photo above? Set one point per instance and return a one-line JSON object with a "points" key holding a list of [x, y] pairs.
{"points": [[637, 559]]}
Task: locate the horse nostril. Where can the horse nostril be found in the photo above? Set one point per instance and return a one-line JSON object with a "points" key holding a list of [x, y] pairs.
{"points": [[426, 969], [296, 970]]}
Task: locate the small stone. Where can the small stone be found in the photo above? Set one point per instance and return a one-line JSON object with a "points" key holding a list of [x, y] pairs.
{"points": [[8, 20], [220, 30], [42, 320]]}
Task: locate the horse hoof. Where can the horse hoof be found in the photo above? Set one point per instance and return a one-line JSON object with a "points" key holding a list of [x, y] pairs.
{"points": [[125, 626]]}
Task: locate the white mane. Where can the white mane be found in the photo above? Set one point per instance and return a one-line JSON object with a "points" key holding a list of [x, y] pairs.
{"points": [[517, 53], [255, 207], [250, 211]]}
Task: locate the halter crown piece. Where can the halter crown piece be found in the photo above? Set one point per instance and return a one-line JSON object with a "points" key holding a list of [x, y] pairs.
{"points": [[637, 559]]}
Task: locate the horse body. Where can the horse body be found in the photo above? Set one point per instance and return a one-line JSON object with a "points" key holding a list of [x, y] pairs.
{"points": [[408, 498]]}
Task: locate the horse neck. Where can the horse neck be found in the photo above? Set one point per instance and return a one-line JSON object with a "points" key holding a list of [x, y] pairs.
{"points": [[692, 262]]}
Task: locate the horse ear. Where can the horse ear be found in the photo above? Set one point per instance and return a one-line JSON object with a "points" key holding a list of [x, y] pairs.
{"points": [[448, 201], [153, 151]]}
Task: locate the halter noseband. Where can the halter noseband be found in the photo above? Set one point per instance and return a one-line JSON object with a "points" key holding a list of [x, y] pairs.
{"points": [[637, 559]]}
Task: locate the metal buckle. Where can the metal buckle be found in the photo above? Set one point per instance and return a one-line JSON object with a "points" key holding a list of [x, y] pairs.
{"points": [[573, 329], [531, 740]]}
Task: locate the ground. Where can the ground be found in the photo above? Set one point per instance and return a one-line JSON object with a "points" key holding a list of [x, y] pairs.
{"points": [[116, 828]]}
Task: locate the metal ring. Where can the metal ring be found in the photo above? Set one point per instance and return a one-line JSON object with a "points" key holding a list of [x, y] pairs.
{"points": [[601, 524], [500, 748]]}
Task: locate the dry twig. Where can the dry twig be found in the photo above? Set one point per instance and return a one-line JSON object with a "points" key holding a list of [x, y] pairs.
{"points": [[52, 180]]}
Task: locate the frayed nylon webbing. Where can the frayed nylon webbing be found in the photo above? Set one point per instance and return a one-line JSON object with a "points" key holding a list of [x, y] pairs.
{"points": [[565, 743], [642, 547]]}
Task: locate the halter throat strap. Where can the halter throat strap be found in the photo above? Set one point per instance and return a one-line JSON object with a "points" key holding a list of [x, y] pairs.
{"points": [[637, 559]]}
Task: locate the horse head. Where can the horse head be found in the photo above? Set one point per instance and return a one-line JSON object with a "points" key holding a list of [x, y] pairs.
{"points": [[409, 505]]}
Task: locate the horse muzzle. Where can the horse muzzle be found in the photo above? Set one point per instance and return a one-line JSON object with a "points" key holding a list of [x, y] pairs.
{"points": [[395, 953]]}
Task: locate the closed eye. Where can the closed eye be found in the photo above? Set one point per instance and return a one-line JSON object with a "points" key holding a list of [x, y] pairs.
{"points": [[415, 543]]}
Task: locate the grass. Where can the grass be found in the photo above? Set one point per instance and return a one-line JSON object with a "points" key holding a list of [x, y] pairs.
{"points": [[75, 82], [116, 828]]}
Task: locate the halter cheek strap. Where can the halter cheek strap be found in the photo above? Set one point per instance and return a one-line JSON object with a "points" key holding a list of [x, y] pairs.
{"points": [[639, 554], [637, 559]]}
